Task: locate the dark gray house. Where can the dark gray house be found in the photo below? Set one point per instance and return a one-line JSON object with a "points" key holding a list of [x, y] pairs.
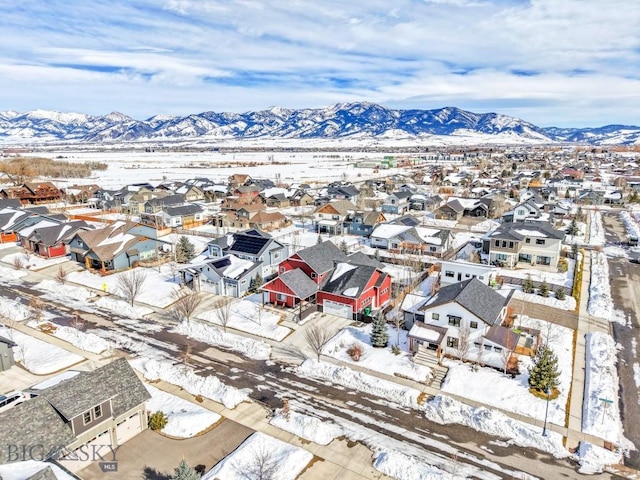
{"points": [[6, 354]]}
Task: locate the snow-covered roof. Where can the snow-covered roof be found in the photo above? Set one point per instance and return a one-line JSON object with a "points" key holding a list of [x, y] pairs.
{"points": [[388, 230], [340, 270], [422, 333]]}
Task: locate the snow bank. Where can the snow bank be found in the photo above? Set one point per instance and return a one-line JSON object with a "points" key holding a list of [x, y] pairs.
{"points": [[445, 410], [600, 302], [185, 419], [9, 274], [596, 230], [594, 459], [630, 224], [305, 426], [599, 418], [261, 456], [186, 378], [13, 310], [89, 342], [121, 307], [378, 359], [406, 467], [66, 290], [255, 349]]}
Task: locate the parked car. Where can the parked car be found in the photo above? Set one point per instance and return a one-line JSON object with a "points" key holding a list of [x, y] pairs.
{"points": [[12, 399], [634, 260]]}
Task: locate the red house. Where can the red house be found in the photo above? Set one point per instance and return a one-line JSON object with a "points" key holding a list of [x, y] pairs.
{"points": [[347, 286]]}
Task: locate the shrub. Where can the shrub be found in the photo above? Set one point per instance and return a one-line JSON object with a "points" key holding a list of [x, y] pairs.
{"points": [[543, 289], [355, 352], [158, 420], [563, 265], [560, 293], [395, 349]]}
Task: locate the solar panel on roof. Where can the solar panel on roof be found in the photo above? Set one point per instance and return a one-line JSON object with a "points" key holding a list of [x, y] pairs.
{"points": [[249, 244]]}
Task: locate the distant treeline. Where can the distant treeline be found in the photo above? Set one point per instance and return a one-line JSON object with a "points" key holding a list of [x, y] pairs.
{"points": [[22, 169]]}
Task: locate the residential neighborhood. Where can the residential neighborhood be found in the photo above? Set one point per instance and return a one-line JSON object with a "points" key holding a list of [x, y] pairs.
{"points": [[352, 327]]}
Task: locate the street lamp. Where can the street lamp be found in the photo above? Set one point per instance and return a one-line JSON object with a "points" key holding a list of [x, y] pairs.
{"points": [[546, 412]]}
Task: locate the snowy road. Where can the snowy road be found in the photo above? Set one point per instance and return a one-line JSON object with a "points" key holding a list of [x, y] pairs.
{"points": [[373, 421]]}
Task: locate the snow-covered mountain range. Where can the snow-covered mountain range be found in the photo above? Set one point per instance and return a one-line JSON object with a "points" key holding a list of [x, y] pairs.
{"points": [[340, 121]]}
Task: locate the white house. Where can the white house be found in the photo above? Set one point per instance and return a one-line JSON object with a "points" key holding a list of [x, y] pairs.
{"points": [[411, 239], [463, 319], [458, 271]]}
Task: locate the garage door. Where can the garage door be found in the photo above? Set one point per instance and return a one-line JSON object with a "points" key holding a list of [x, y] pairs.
{"points": [[338, 309], [128, 428], [91, 451]]}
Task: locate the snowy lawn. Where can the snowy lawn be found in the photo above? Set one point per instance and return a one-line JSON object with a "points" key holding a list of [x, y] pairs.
{"points": [[156, 290], [512, 394], [121, 307], [255, 349], [600, 302], [305, 426], [33, 262], [10, 274], [269, 457], [594, 459], [185, 419], [596, 229], [555, 278], [601, 381], [378, 359], [13, 310], [569, 303], [186, 378], [67, 291], [250, 317], [89, 342], [40, 358], [445, 410]]}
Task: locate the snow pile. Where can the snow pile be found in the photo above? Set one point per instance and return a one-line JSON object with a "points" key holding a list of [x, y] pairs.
{"points": [[308, 427], [377, 359], [33, 262], [445, 410], [29, 468], [359, 381], [596, 230], [255, 349], [484, 226], [261, 456], [630, 224], [250, 317], [600, 302], [89, 342], [406, 467], [13, 310], [37, 356], [185, 419], [121, 307], [186, 378], [600, 418], [66, 290], [9, 274], [593, 459]]}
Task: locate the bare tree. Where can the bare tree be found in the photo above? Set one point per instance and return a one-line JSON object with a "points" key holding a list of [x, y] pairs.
{"points": [[262, 465], [185, 303], [186, 351], [18, 264], [36, 309], [480, 355], [223, 313], [505, 354], [398, 322], [131, 283], [316, 337], [61, 275], [464, 342]]}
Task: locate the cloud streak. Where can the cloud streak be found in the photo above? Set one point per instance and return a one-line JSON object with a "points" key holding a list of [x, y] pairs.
{"points": [[575, 62]]}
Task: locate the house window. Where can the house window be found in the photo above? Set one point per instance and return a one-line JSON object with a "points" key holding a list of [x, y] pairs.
{"points": [[97, 411], [467, 275], [276, 255], [497, 349], [282, 269], [432, 249], [449, 273], [504, 244], [510, 244], [497, 243], [520, 212], [473, 324], [281, 297], [435, 316], [243, 282], [454, 321], [539, 241], [481, 277], [452, 342], [336, 217], [527, 240], [487, 348], [86, 417], [313, 275]]}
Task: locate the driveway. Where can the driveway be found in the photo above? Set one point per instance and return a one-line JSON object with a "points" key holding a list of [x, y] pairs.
{"points": [[150, 456]]}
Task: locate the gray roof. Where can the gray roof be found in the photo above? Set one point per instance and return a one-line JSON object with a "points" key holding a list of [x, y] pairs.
{"points": [[355, 278], [360, 258], [55, 234], [186, 209], [321, 257], [5, 340], [116, 380], [173, 199], [480, 299], [502, 336], [34, 422], [299, 283], [512, 231]]}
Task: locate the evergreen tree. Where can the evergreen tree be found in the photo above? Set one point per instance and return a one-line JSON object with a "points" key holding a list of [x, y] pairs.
{"points": [[319, 241], [344, 248], [544, 373], [376, 255], [573, 229], [543, 289], [184, 472], [379, 335], [527, 286], [574, 250], [256, 283], [185, 250]]}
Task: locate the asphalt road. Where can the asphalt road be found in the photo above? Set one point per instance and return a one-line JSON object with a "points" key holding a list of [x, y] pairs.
{"points": [[270, 383], [625, 292]]}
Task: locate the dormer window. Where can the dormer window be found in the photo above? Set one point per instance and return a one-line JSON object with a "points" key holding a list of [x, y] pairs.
{"points": [[86, 417], [97, 411]]}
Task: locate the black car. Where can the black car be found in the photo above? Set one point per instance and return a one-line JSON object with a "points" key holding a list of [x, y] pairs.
{"points": [[634, 260]]}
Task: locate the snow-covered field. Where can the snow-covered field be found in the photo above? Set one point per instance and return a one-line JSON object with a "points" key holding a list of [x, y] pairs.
{"points": [[512, 394], [209, 386], [269, 457], [39, 357], [214, 335], [378, 359], [250, 317], [185, 419], [601, 382], [600, 302]]}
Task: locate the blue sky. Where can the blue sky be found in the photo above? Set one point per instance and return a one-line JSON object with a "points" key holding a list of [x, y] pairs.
{"points": [[551, 62]]}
